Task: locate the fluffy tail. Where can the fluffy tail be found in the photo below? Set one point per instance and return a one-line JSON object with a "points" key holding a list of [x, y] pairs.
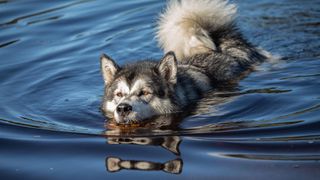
{"points": [[185, 25]]}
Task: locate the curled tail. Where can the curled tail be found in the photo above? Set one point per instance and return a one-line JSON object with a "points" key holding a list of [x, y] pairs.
{"points": [[185, 26]]}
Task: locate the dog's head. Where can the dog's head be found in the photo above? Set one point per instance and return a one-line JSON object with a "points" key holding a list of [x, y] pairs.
{"points": [[139, 91]]}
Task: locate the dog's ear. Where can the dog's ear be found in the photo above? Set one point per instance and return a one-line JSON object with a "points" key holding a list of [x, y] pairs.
{"points": [[108, 68], [168, 67]]}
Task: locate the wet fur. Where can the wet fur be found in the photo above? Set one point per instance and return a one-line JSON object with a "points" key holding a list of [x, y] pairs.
{"points": [[203, 49], [166, 98]]}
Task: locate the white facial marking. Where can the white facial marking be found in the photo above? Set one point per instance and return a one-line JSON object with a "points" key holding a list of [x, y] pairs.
{"points": [[111, 106], [138, 84], [122, 87], [141, 107]]}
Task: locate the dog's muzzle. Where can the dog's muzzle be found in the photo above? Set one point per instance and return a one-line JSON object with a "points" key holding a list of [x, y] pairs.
{"points": [[124, 109]]}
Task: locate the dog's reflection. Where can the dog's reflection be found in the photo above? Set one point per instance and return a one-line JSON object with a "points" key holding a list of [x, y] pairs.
{"points": [[170, 143], [114, 164]]}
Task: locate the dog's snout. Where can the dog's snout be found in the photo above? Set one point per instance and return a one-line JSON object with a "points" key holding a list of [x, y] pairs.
{"points": [[124, 108]]}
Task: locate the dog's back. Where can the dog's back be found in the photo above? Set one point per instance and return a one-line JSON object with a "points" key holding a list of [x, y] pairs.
{"points": [[203, 33]]}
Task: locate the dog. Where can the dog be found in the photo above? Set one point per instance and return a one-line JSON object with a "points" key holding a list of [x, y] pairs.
{"points": [[203, 48]]}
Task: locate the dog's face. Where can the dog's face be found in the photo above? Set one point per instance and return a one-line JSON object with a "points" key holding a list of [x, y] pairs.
{"points": [[138, 91]]}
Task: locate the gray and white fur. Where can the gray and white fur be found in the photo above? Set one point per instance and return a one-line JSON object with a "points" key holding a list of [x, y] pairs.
{"points": [[203, 48]]}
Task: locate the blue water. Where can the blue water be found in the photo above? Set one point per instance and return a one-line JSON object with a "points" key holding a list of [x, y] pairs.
{"points": [[267, 127]]}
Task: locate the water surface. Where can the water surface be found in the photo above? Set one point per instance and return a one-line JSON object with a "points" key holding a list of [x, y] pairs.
{"points": [[267, 126]]}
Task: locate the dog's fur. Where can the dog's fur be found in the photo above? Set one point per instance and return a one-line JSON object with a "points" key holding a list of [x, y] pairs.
{"points": [[203, 48]]}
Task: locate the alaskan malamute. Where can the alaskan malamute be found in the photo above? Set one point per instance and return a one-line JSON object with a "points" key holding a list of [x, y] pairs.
{"points": [[203, 48]]}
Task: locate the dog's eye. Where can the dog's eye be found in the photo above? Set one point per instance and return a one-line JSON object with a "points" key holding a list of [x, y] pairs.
{"points": [[119, 94], [144, 93]]}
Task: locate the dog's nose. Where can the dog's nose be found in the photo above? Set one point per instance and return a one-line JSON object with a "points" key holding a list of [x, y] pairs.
{"points": [[124, 108]]}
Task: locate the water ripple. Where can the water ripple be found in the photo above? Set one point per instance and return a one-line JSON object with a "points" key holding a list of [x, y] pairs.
{"points": [[16, 20]]}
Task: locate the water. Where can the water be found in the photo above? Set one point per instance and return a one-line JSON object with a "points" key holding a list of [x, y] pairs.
{"points": [[51, 127]]}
